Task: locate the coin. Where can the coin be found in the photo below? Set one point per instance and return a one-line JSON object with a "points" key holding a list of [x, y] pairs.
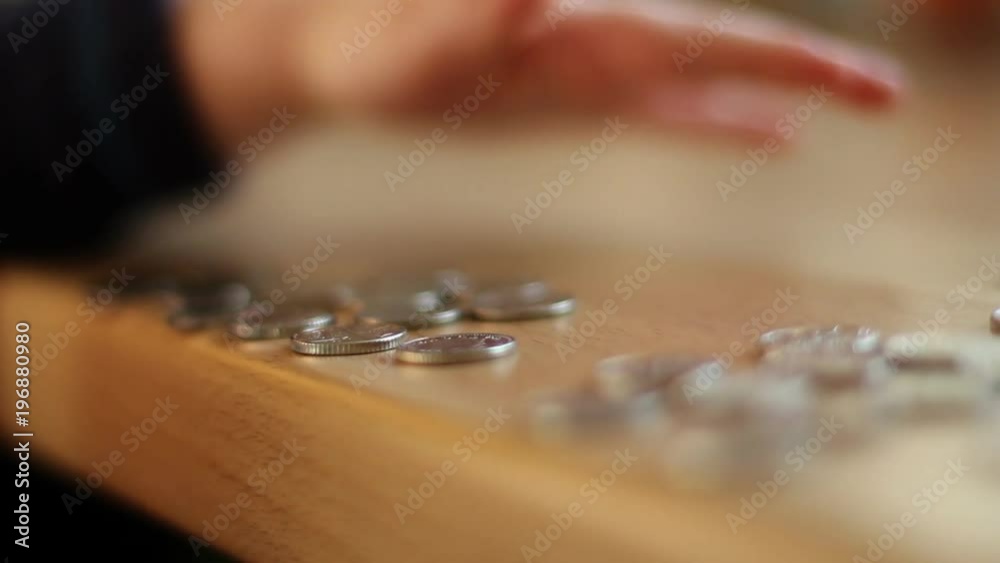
{"points": [[354, 339], [622, 377], [503, 305], [995, 321], [447, 286], [457, 348], [516, 287], [252, 324], [859, 339], [942, 352], [409, 313]]}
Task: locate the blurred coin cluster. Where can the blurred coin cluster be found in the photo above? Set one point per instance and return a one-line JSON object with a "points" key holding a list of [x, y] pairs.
{"points": [[374, 316], [810, 388]]}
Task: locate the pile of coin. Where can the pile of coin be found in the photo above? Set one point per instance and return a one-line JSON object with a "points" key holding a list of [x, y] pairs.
{"points": [[715, 424], [377, 315]]}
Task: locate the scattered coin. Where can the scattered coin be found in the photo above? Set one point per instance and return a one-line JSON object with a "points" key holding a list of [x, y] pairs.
{"points": [[503, 305], [413, 314], [622, 377], [856, 339], [456, 348], [252, 324], [525, 288], [942, 352], [442, 286], [354, 339]]}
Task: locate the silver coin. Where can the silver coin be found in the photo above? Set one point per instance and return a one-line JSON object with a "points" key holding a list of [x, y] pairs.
{"points": [[918, 351], [456, 348], [859, 338], [412, 315], [525, 288], [995, 321], [354, 339], [622, 377], [253, 324], [442, 286], [501, 305]]}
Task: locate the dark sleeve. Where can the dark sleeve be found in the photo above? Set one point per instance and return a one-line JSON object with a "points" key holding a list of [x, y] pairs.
{"points": [[98, 124]]}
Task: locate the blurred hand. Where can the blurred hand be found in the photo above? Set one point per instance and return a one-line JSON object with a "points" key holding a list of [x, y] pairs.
{"points": [[637, 58]]}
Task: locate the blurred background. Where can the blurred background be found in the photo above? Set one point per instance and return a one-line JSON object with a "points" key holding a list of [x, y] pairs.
{"points": [[646, 187]]}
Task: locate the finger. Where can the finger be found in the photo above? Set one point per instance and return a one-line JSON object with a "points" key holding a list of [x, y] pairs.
{"points": [[715, 107], [655, 39]]}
